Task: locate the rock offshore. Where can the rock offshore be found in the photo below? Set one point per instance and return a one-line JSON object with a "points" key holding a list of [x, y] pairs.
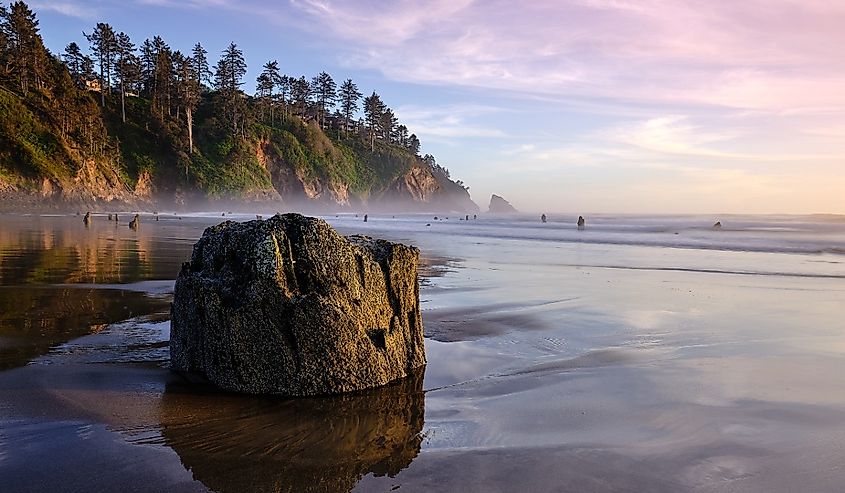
{"points": [[498, 205], [289, 306]]}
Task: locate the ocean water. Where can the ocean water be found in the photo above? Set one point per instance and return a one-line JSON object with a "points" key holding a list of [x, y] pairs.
{"points": [[645, 353]]}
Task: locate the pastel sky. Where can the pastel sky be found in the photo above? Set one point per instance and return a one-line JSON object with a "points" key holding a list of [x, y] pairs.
{"points": [[574, 106]]}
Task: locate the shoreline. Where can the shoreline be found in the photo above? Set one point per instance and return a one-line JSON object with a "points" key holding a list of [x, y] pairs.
{"points": [[544, 370]]}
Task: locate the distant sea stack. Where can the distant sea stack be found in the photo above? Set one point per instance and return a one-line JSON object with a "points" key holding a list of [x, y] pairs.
{"points": [[288, 306], [499, 205]]}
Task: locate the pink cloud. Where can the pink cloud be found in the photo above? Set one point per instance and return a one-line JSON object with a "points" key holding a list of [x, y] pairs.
{"points": [[754, 54]]}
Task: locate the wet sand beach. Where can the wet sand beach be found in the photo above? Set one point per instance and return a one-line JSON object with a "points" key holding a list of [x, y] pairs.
{"points": [[622, 358]]}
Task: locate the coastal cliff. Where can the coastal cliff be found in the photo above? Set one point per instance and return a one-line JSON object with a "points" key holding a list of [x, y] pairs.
{"points": [[294, 163], [152, 127]]}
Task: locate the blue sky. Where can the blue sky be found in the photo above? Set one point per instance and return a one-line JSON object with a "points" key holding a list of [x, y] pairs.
{"points": [[570, 106]]}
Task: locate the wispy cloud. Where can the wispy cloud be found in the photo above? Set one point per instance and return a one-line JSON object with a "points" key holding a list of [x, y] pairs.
{"points": [[445, 123], [70, 9], [643, 101], [721, 53]]}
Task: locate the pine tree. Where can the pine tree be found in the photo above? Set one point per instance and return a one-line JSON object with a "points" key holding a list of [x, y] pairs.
{"points": [[199, 65], [25, 49], [413, 144], [325, 92], [263, 91], [266, 83], [349, 97], [228, 79], [103, 45], [125, 67], [284, 84], [75, 60], [162, 78], [189, 88], [300, 94], [402, 135], [147, 63], [88, 68], [373, 110], [387, 123]]}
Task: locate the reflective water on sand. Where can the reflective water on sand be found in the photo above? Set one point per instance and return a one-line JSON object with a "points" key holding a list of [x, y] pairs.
{"points": [[612, 362]]}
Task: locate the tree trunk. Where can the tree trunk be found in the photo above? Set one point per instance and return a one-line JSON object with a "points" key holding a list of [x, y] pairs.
{"points": [[108, 72], [122, 101], [189, 116]]}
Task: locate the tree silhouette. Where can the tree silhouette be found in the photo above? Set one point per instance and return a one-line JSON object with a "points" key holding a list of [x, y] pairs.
{"points": [[103, 44], [199, 65], [373, 111], [349, 97], [125, 68], [325, 93]]}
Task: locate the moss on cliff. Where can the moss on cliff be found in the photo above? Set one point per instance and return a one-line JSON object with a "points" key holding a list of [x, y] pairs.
{"points": [[35, 145]]}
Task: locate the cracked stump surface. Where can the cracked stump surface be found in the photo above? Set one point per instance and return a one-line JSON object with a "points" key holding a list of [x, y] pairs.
{"points": [[289, 306]]}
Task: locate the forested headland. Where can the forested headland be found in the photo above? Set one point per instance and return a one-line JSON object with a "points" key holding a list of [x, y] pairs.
{"points": [[113, 122]]}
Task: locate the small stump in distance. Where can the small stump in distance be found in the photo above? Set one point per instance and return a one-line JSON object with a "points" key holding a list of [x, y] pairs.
{"points": [[288, 306]]}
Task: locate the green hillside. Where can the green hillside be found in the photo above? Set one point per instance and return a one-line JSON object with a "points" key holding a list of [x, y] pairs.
{"points": [[151, 129]]}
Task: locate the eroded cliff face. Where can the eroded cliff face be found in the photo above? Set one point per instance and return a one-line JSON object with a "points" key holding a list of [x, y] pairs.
{"points": [[417, 185], [302, 170], [93, 186], [294, 187], [423, 189], [418, 189]]}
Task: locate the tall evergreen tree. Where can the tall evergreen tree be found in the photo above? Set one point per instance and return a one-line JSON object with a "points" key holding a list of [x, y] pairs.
{"points": [[325, 93], [228, 79], [162, 78], [284, 83], [267, 82], [413, 144], [263, 91], [230, 69], [199, 65], [387, 123], [402, 135], [75, 60], [125, 67], [373, 111], [88, 72], [300, 94], [349, 97], [147, 64], [189, 88], [25, 49], [103, 45]]}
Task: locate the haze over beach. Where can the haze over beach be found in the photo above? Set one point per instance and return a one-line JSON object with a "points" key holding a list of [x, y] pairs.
{"points": [[598, 106], [460, 246]]}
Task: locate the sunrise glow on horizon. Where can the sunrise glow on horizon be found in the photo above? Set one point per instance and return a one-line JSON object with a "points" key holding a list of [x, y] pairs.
{"points": [[588, 105]]}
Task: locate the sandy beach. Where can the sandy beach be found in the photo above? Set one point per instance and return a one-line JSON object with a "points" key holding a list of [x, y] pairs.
{"points": [[644, 354]]}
